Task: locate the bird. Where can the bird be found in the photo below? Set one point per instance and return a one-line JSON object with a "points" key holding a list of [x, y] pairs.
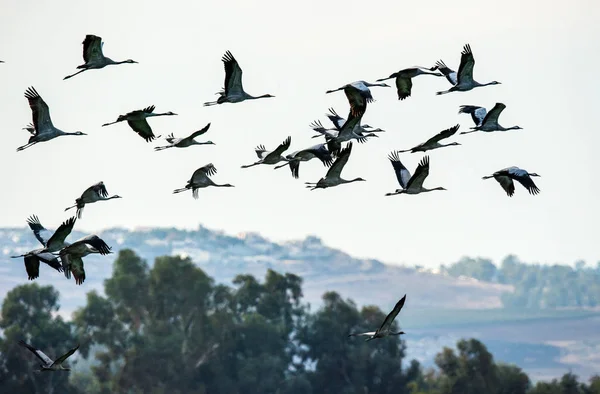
{"points": [[463, 80], [93, 56], [410, 184], [386, 327], [272, 157], [92, 194], [48, 364], [200, 179], [506, 176], [317, 151], [404, 79], [42, 129], [233, 92], [187, 141], [485, 121], [358, 94], [137, 121], [72, 255], [339, 122], [332, 178], [434, 142], [53, 243]]}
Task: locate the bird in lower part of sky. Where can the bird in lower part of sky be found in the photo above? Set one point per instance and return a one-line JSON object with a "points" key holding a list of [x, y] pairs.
{"points": [[52, 244], [187, 141], [93, 56], [72, 255], [506, 176], [318, 151], [42, 129], [138, 123], [463, 80], [200, 179], [358, 95], [404, 79], [270, 157], [91, 195], [339, 122], [386, 327], [233, 91], [485, 121], [434, 142], [333, 176], [48, 364], [410, 184]]}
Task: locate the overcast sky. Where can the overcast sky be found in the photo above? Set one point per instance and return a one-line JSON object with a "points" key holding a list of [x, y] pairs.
{"points": [[545, 56]]}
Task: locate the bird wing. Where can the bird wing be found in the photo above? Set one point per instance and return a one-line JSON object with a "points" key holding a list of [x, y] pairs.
{"points": [[57, 239], [338, 165], [319, 128], [337, 120], [39, 109], [443, 134], [364, 334], [206, 170], [281, 148], [467, 61], [416, 181], [321, 152], [30, 127], [358, 98], [32, 266], [233, 75], [492, 116], [450, 74], [506, 182], [392, 315], [402, 174], [524, 179], [95, 242], [39, 354], [92, 49], [477, 113], [68, 354], [403, 86], [143, 129], [351, 124], [76, 268], [171, 139], [260, 151], [51, 260], [199, 132], [40, 232], [98, 189]]}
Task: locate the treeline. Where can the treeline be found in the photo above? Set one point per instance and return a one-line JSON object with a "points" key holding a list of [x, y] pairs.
{"points": [[536, 286], [171, 329]]}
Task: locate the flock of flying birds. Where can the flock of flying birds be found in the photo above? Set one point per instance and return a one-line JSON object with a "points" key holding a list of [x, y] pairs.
{"points": [[68, 257]]}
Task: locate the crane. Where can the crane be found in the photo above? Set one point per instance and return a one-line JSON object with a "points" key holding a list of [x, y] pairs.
{"points": [[332, 178], [138, 123], [358, 94], [93, 56], [92, 194], [200, 179], [434, 142], [48, 364], [404, 79], [233, 92], [506, 176], [485, 121], [55, 242], [42, 129], [72, 255], [386, 327], [463, 80], [339, 122], [272, 157], [187, 141], [317, 151], [410, 184]]}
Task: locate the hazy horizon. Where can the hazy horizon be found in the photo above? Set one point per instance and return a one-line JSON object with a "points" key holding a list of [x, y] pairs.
{"points": [[544, 58]]}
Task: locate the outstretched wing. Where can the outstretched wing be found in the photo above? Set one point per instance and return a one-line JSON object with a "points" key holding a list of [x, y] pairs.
{"points": [[199, 132], [337, 120], [51, 260], [95, 242], [338, 165], [57, 239], [281, 148], [233, 75], [207, 170], [402, 174], [99, 189], [477, 113], [392, 315], [358, 97], [492, 116], [39, 354], [142, 128], [524, 179], [39, 109], [351, 124], [92, 49], [40, 232], [416, 181], [32, 266], [404, 87], [68, 354], [467, 62], [507, 184], [450, 74], [443, 134]]}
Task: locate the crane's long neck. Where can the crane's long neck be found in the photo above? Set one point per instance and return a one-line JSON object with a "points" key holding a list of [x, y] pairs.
{"points": [[424, 190], [159, 114], [250, 97], [376, 84]]}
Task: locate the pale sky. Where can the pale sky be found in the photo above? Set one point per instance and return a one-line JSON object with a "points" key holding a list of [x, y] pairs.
{"points": [[546, 57]]}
